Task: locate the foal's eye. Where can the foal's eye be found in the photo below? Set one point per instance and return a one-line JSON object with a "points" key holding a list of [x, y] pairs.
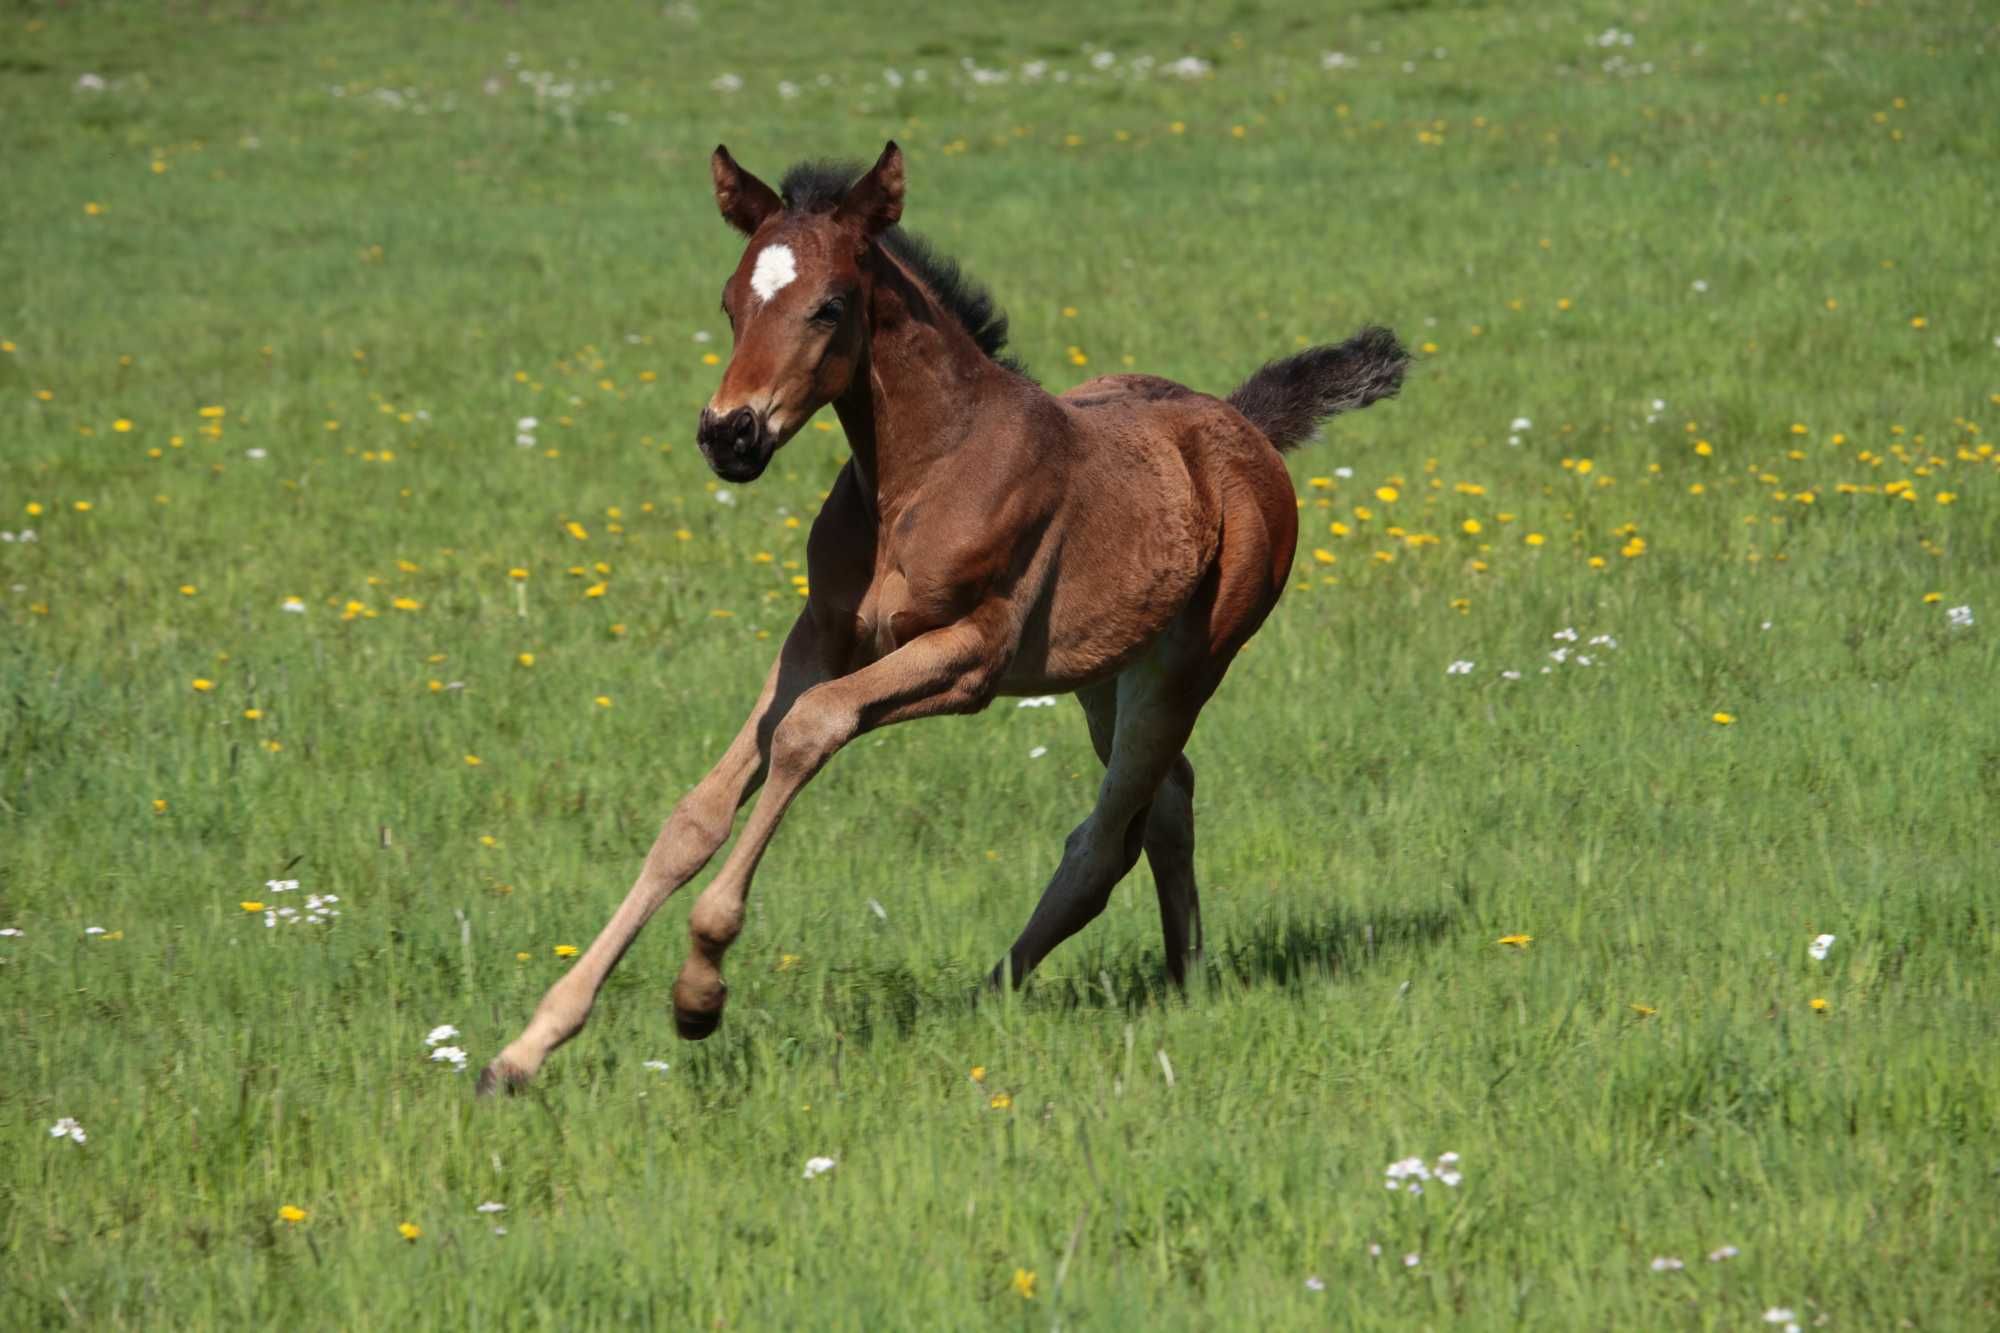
{"points": [[829, 313]]}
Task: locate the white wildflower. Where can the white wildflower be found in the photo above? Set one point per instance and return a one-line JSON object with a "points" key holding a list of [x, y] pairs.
{"points": [[1341, 60], [1700, 284], [1666, 1263], [490, 1207], [1187, 67], [90, 83], [1959, 617], [1821, 946], [818, 1166], [658, 1066], [67, 1128], [1510, 675], [441, 1033], [1038, 701], [450, 1055], [1038, 752], [1315, 1283], [787, 89], [1566, 634], [1103, 60], [257, 453], [725, 496], [1462, 667], [1716, 1256], [280, 885], [12, 933], [295, 605], [726, 83], [1412, 1259], [93, 930]]}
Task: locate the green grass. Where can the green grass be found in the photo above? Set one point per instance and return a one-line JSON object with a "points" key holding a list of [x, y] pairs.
{"points": [[1370, 825]]}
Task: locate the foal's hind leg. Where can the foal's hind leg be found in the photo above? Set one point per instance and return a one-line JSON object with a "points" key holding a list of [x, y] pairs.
{"points": [[1154, 712], [1169, 836]]}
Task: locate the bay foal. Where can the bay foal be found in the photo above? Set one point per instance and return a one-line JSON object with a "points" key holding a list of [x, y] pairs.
{"points": [[1122, 542]]}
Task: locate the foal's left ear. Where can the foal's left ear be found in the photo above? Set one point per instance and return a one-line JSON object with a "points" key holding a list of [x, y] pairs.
{"points": [[876, 200], [744, 200]]}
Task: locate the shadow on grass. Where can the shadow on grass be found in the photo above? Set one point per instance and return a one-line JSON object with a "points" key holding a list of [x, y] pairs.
{"points": [[1288, 950]]}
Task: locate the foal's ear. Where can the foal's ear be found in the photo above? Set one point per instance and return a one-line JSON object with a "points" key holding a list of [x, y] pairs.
{"points": [[744, 200], [875, 201]]}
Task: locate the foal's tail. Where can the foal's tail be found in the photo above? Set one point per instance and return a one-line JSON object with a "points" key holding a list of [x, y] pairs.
{"points": [[1289, 397]]}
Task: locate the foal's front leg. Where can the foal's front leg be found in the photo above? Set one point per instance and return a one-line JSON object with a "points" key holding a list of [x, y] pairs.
{"points": [[699, 825], [948, 670]]}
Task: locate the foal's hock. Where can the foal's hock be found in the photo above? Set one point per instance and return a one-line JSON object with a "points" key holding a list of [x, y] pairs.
{"points": [[1121, 542]]}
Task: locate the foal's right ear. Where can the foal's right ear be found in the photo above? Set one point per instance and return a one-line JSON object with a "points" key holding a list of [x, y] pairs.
{"points": [[744, 200]]}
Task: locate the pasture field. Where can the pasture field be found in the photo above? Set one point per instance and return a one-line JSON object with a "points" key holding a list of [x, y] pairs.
{"points": [[1648, 636]]}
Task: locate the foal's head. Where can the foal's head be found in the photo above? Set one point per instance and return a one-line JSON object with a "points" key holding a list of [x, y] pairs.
{"points": [[797, 306]]}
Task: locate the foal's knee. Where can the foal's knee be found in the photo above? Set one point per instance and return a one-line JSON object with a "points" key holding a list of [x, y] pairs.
{"points": [[807, 738]]}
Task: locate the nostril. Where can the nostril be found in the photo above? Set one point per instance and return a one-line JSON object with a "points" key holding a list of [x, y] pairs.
{"points": [[743, 428]]}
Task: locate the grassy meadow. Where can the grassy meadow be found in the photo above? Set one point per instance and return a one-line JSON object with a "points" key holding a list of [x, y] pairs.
{"points": [[365, 605]]}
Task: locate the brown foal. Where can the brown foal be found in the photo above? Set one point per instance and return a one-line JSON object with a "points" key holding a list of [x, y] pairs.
{"points": [[1122, 542]]}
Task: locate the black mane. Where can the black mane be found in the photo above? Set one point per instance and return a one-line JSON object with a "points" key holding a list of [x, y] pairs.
{"points": [[818, 187]]}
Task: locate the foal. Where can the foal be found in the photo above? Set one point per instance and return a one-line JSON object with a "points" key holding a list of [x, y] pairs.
{"points": [[1122, 542]]}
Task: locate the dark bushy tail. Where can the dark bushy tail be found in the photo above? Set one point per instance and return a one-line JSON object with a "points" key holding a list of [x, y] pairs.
{"points": [[1289, 397]]}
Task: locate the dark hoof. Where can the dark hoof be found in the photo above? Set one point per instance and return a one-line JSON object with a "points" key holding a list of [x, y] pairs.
{"points": [[694, 1025], [501, 1077]]}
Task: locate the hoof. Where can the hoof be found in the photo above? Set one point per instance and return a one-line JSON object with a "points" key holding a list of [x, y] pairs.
{"points": [[698, 1005], [695, 1025], [501, 1077]]}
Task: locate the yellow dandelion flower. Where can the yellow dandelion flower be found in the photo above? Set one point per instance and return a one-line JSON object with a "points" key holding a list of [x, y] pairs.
{"points": [[409, 1230], [1024, 1283], [978, 1074], [603, 701], [472, 761], [1517, 941], [202, 684], [1001, 1101], [517, 573], [1644, 1010], [595, 590], [159, 806], [291, 1212], [525, 659], [522, 956], [1723, 719], [710, 359], [1819, 1006], [1471, 527], [1388, 495], [251, 906], [566, 951], [253, 714]]}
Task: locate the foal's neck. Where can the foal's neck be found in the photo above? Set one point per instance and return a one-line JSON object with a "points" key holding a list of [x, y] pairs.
{"points": [[918, 388]]}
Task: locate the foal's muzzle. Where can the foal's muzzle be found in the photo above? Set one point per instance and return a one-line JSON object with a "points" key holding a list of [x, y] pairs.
{"points": [[736, 444]]}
